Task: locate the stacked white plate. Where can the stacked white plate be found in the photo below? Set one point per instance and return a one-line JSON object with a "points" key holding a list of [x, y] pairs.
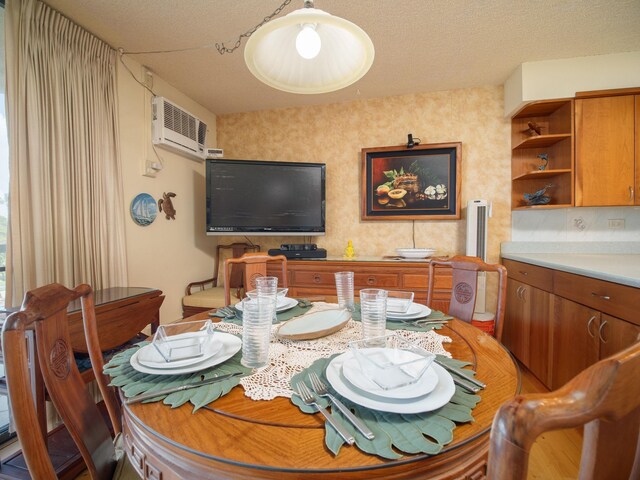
{"points": [[219, 348], [415, 311], [433, 390], [415, 252], [283, 304]]}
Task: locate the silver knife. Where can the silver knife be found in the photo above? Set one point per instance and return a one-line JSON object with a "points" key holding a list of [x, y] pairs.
{"points": [[465, 385], [166, 391], [469, 378]]}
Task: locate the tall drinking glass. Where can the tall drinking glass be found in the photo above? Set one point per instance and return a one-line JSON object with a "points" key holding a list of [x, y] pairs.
{"points": [[373, 305], [268, 287], [257, 315], [344, 288]]}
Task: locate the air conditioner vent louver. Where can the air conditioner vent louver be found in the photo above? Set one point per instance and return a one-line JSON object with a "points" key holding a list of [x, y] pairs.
{"points": [[178, 130]]}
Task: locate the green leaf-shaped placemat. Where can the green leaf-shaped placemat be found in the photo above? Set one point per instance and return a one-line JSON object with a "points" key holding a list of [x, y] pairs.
{"points": [[425, 432], [134, 383]]}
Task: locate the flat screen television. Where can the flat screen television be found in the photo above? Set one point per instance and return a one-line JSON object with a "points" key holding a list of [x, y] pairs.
{"points": [[265, 198]]}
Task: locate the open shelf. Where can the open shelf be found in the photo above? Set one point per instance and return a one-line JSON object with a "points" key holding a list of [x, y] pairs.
{"points": [[541, 141], [543, 207], [542, 174], [554, 118]]}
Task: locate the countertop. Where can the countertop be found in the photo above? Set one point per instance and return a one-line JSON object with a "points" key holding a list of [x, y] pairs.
{"points": [[618, 267]]}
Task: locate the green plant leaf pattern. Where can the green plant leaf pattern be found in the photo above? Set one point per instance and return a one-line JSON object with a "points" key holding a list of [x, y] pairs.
{"points": [[133, 383], [395, 433]]}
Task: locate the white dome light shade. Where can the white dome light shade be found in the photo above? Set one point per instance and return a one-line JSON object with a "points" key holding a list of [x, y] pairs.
{"points": [[345, 56]]}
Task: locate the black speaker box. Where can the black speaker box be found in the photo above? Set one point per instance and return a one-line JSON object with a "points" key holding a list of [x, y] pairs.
{"points": [[292, 254]]}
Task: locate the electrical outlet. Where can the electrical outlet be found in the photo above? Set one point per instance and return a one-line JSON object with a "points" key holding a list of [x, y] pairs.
{"points": [[616, 224]]}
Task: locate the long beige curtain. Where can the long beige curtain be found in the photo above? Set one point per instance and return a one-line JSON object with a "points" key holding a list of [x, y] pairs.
{"points": [[65, 198]]}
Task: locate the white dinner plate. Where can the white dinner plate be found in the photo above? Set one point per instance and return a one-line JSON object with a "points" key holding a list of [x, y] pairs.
{"points": [[353, 373], [314, 325], [149, 355], [230, 346], [415, 252], [283, 304], [439, 397], [416, 310]]}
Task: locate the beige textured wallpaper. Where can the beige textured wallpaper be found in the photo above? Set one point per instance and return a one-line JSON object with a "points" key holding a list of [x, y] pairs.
{"points": [[335, 134]]}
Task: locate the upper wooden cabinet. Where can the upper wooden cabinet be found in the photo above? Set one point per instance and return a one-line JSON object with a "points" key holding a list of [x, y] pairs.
{"points": [[607, 158], [553, 120]]}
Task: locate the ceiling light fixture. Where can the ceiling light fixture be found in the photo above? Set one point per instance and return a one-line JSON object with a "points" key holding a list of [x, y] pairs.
{"points": [[309, 51]]}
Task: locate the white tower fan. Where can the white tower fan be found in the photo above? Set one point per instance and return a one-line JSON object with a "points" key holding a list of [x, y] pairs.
{"points": [[478, 213]]}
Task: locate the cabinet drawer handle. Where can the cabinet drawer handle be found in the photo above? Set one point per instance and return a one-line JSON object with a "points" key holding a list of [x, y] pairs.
{"points": [[603, 297], [593, 335], [522, 295], [602, 339], [522, 272], [631, 193], [519, 292], [316, 278], [371, 280]]}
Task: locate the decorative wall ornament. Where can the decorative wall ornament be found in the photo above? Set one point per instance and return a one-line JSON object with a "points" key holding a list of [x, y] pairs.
{"points": [[418, 183], [544, 157], [539, 197], [166, 204], [534, 129], [143, 209]]}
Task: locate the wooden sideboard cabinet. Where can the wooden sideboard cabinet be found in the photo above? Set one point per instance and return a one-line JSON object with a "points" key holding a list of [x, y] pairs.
{"points": [[558, 323], [607, 150], [316, 278]]}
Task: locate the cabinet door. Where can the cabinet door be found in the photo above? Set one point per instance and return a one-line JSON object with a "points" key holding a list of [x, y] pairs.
{"points": [[539, 305], [575, 340], [605, 172], [616, 335], [515, 333]]}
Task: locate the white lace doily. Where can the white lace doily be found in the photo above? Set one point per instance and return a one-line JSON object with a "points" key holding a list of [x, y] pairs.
{"points": [[288, 357]]}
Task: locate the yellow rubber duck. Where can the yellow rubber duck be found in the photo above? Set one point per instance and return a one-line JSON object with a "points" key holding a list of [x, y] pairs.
{"points": [[349, 252]]}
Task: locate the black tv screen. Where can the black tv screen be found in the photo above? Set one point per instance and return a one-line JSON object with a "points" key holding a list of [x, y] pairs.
{"points": [[265, 198]]}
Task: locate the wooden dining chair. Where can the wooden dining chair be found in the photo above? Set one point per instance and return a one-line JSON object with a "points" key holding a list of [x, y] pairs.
{"points": [[255, 265], [605, 398], [45, 311], [207, 294], [464, 288]]}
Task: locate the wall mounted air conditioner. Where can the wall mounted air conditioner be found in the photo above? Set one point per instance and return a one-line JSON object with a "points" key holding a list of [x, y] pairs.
{"points": [[177, 130]]}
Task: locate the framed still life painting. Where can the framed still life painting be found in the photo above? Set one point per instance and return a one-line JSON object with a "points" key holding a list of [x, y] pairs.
{"points": [[419, 183]]}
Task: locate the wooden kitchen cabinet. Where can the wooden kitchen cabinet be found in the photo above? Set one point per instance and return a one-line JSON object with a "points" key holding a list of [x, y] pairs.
{"points": [[528, 318], [607, 138], [575, 340], [582, 336], [559, 323]]}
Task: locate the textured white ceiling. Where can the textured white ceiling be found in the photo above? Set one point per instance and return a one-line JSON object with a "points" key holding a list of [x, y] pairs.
{"points": [[421, 45]]}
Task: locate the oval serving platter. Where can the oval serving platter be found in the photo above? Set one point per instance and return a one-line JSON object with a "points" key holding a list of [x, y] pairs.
{"points": [[314, 325]]}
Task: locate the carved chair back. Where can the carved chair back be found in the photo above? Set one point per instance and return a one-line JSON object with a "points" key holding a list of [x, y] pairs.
{"points": [[465, 287], [45, 311], [255, 265], [605, 398]]}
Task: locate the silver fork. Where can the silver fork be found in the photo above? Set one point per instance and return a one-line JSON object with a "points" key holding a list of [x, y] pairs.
{"points": [[322, 390], [308, 398]]}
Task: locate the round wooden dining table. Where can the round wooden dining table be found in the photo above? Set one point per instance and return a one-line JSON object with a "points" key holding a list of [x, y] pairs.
{"points": [[239, 438]]}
